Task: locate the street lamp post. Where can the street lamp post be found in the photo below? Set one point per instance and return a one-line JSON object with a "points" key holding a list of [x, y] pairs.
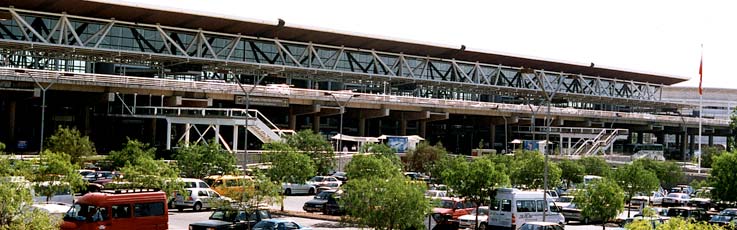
{"points": [[342, 111], [43, 106]]}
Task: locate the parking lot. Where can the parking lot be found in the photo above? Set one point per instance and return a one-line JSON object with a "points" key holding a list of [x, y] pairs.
{"points": [[181, 220]]}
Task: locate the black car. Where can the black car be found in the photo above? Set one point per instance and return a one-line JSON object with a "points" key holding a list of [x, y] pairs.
{"points": [[231, 219], [320, 201], [333, 206], [694, 213]]}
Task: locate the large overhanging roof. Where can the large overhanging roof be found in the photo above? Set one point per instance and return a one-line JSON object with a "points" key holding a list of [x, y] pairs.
{"points": [[228, 24]]}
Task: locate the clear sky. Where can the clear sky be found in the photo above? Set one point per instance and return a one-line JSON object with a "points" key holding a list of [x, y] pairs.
{"points": [[653, 36]]}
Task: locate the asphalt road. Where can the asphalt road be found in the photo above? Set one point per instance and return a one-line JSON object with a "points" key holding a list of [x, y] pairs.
{"points": [[181, 221]]}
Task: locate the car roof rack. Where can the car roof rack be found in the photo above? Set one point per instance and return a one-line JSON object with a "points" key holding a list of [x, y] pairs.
{"points": [[129, 190]]}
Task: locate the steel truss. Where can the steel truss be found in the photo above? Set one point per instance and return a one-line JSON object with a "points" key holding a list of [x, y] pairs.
{"points": [[40, 37]]}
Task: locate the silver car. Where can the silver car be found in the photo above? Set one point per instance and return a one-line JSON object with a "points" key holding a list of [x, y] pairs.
{"points": [[198, 199]]}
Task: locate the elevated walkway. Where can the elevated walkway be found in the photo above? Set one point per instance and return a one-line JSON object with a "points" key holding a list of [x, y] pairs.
{"points": [[194, 118], [589, 141]]}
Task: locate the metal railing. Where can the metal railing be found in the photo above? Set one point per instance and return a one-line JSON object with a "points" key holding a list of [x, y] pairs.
{"points": [[232, 88]]}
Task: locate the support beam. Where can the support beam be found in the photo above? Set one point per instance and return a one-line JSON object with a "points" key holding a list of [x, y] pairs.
{"points": [[316, 123], [11, 121]]}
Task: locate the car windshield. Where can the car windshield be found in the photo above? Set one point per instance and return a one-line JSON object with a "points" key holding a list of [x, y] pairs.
{"points": [[531, 227], [264, 225], [316, 179], [446, 204], [223, 215], [675, 212], [323, 195], [482, 211], [565, 199], [79, 212], [720, 218], [729, 212], [674, 195]]}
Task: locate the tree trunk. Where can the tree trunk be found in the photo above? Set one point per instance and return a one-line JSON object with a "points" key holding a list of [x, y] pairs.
{"points": [[476, 226], [282, 202], [628, 209]]}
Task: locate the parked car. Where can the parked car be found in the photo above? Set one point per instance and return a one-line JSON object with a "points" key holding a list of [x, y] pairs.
{"points": [[227, 184], [454, 207], [274, 224], [197, 199], [469, 220], [333, 206], [676, 199], [722, 220], [701, 199], [564, 201], [231, 220], [292, 189], [328, 181], [572, 212], [655, 198], [697, 214], [319, 202], [540, 226], [102, 177], [341, 176], [187, 183], [416, 176], [681, 188], [435, 194]]}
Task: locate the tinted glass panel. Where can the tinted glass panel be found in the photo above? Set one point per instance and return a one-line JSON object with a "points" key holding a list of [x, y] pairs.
{"points": [[121, 211], [149, 209]]}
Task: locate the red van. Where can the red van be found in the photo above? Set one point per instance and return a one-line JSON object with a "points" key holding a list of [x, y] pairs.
{"points": [[118, 209]]}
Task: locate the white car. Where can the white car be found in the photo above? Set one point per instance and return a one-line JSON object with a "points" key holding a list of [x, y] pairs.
{"points": [[292, 189], [656, 198], [435, 194], [198, 198], [564, 201], [325, 181], [467, 221], [676, 199]]}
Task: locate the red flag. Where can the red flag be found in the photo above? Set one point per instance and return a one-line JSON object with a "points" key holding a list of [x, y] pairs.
{"points": [[701, 75]]}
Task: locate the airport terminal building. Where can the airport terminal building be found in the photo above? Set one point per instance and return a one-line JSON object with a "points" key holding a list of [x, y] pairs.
{"points": [[164, 77]]}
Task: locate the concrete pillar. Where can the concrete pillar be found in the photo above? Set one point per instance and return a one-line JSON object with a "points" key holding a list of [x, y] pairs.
{"points": [[362, 127], [316, 123], [235, 139], [678, 140], [403, 127], [423, 128], [692, 143], [660, 138], [639, 137], [292, 121], [684, 145], [11, 122], [492, 130], [711, 140], [153, 130]]}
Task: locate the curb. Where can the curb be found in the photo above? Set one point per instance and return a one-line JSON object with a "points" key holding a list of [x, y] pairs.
{"points": [[304, 215]]}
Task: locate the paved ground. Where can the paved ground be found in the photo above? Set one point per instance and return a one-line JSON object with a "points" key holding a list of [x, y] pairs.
{"points": [[181, 221]]}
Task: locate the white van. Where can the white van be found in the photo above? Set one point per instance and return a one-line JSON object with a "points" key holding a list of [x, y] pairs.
{"points": [[513, 207], [588, 179]]}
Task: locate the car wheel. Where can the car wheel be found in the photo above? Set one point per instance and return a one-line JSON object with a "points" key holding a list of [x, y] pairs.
{"points": [[197, 207], [482, 226], [180, 209], [311, 192], [288, 192], [586, 220]]}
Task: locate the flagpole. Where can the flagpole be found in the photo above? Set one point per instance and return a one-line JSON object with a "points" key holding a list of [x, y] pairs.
{"points": [[701, 103], [701, 112]]}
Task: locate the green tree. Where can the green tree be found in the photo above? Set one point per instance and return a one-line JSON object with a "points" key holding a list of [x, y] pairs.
{"points": [[288, 165], [595, 166], [316, 146], [424, 157], [16, 211], [724, 177], [382, 150], [708, 155], [204, 158], [70, 141], [367, 166], [504, 161], [528, 171], [56, 173], [132, 150], [2, 147], [673, 223], [571, 172], [668, 172], [445, 163], [146, 172], [476, 180], [634, 178], [385, 203], [732, 139], [253, 193], [603, 200]]}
